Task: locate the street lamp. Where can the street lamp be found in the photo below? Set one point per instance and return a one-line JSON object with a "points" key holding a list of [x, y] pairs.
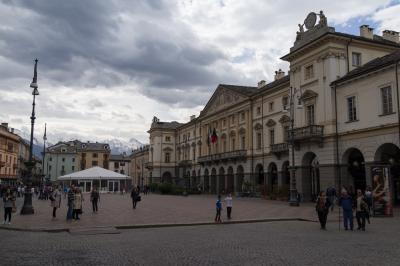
{"points": [[44, 153], [27, 208], [293, 201]]}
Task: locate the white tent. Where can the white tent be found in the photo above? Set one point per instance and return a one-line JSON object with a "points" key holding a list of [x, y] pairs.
{"points": [[104, 179]]}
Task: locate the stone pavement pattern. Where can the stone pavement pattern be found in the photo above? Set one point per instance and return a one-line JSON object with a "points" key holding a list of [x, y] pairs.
{"points": [[273, 243], [116, 210]]}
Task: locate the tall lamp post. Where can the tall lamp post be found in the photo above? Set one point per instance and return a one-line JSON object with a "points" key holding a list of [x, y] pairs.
{"points": [[27, 208], [44, 154], [293, 201]]}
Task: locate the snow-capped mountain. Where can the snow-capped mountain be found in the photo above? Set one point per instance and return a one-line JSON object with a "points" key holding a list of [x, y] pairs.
{"points": [[119, 146]]}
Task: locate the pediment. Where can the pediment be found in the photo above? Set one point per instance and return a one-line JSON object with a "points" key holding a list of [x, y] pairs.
{"points": [[284, 119], [308, 94], [168, 149], [222, 98], [271, 123], [258, 126]]}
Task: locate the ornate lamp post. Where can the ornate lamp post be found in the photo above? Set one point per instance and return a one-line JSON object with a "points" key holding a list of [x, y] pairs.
{"points": [[293, 201], [27, 208], [44, 154]]}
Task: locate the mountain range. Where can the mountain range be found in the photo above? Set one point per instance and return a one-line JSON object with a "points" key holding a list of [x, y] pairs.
{"points": [[118, 146]]}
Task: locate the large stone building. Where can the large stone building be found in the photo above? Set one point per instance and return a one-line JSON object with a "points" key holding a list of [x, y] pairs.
{"points": [[340, 93], [9, 148], [68, 157], [120, 163], [140, 166]]}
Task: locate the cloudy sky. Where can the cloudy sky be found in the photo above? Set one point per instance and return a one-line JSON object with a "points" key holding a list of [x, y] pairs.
{"points": [[107, 67]]}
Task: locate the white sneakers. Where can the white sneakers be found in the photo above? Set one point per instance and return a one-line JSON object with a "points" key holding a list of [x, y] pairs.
{"points": [[6, 222]]}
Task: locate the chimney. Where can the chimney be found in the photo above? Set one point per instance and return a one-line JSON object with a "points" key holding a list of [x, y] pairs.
{"points": [[366, 32], [192, 117], [261, 83], [391, 35], [279, 74]]}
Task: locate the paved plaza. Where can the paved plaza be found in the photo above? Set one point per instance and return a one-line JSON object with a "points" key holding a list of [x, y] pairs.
{"points": [[272, 243], [116, 210]]}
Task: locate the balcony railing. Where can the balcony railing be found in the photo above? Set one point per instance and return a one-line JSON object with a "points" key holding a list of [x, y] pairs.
{"points": [[312, 132], [279, 148], [225, 156]]}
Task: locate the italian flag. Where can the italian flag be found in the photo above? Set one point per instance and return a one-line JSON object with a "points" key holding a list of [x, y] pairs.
{"points": [[214, 136]]}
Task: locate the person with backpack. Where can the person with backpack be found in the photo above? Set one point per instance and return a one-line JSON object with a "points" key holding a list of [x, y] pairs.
{"points": [[361, 210], [218, 206], [322, 208], [346, 202], [55, 199], [94, 198]]}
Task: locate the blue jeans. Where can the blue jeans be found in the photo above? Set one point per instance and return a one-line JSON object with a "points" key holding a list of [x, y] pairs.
{"points": [[69, 212], [348, 219]]}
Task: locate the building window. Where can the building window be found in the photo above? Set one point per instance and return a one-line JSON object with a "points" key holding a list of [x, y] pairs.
{"points": [[233, 119], [258, 110], [223, 122], [271, 136], [259, 141], [50, 159], [310, 115], [387, 102], [242, 116], [271, 106], [167, 157], [63, 159], [224, 146], [116, 165], [233, 144], [356, 59], [351, 108], [73, 168], [285, 102], [167, 138], [94, 163], [285, 133], [49, 167], [73, 160], [309, 72], [95, 155], [243, 143]]}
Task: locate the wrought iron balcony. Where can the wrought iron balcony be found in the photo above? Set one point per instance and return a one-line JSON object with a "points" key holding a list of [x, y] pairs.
{"points": [[308, 133], [280, 148], [225, 156]]}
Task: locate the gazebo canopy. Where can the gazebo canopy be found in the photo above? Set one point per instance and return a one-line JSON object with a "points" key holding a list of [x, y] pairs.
{"points": [[96, 173]]}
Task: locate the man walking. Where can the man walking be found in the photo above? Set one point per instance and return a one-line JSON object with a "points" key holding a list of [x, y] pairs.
{"points": [[94, 198], [346, 202], [361, 210], [135, 197], [228, 201], [71, 195]]}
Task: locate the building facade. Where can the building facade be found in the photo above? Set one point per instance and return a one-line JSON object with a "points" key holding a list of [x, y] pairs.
{"points": [[9, 149], [120, 163], [243, 139], [140, 166], [67, 157]]}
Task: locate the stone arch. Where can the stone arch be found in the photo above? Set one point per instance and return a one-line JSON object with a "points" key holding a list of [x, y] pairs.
{"points": [[239, 178], [206, 181], [166, 178], [213, 183], [221, 180], [230, 180], [272, 177], [354, 161], [389, 154], [310, 176], [259, 172]]}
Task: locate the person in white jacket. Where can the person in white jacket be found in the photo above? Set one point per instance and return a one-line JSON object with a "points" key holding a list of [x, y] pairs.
{"points": [[228, 202]]}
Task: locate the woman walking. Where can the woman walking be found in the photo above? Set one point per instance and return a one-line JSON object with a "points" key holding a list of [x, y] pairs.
{"points": [[361, 210], [55, 199], [322, 209], [135, 196], [228, 201], [77, 204], [9, 203]]}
